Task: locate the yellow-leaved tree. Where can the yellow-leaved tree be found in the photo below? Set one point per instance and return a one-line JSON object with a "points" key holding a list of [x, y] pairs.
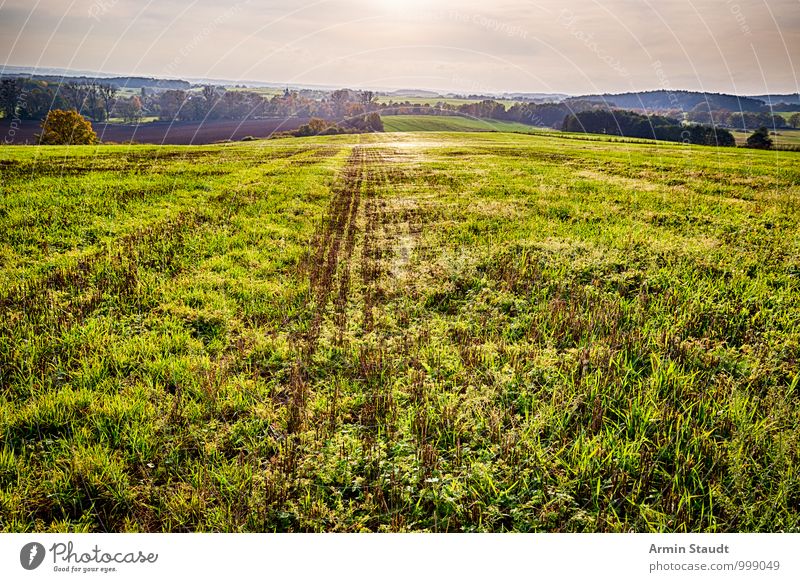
{"points": [[67, 128]]}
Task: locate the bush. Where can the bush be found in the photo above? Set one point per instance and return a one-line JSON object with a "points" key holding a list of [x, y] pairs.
{"points": [[316, 127], [359, 124], [760, 139], [374, 122], [67, 128]]}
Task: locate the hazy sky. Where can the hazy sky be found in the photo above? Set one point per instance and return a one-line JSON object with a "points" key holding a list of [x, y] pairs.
{"points": [[568, 46]]}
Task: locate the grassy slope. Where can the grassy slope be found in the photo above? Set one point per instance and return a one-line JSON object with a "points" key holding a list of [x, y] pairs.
{"points": [[417, 123], [784, 137], [399, 332]]}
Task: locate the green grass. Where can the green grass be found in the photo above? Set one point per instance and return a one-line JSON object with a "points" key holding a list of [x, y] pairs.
{"points": [[400, 332], [265, 91], [783, 137], [143, 119], [451, 123]]}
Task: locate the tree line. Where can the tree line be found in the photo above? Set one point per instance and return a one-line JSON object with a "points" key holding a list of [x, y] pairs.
{"points": [[632, 124], [216, 103], [678, 100], [744, 120], [27, 99], [32, 99]]}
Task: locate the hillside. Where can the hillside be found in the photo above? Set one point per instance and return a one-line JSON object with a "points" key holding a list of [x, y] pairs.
{"points": [[792, 98], [683, 100], [119, 82], [412, 123]]}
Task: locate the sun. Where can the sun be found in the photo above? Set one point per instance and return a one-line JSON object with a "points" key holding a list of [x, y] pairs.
{"points": [[409, 6]]}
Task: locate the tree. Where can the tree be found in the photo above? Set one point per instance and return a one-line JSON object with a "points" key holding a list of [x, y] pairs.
{"points": [[210, 99], [374, 122], [794, 120], [751, 120], [318, 126], [92, 104], [75, 95], [10, 92], [130, 110], [171, 103], [368, 99], [39, 101], [700, 113], [340, 99], [67, 128], [760, 139], [108, 93]]}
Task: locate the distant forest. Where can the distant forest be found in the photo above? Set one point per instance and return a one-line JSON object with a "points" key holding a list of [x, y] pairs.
{"points": [[175, 100], [678, 100], [631, 124]]}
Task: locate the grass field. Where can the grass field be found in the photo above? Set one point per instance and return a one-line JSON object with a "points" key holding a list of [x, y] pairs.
{"points": [[451, 123], [400, 332], [783, 137], [144, 119]]}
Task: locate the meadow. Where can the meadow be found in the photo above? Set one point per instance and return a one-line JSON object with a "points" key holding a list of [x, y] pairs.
{"points": [[781, 137], [448, 332], [451, 123]]}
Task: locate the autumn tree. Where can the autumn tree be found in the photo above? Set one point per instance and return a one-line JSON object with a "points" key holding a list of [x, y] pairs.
{"points": [[67, 128], [171, 103], [130, 110], [340, 99], [316, 126], [374, 122]]}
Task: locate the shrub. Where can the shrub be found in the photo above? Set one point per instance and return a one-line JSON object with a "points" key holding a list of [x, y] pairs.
{"points": [[760, 139]]}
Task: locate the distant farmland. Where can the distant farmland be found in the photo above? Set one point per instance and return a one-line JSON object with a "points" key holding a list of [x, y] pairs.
{"points": [[433, 101], [400, 332], [451, 123], [781, 137], [177, 133]]}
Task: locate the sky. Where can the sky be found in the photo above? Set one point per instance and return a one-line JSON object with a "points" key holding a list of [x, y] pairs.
{"points": [[493, 46]]}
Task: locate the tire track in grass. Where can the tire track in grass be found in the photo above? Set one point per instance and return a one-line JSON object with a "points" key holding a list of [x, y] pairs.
{"points": [[332, 247], [340, 319], [372, 252], [378, 412], [358, 266]]}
